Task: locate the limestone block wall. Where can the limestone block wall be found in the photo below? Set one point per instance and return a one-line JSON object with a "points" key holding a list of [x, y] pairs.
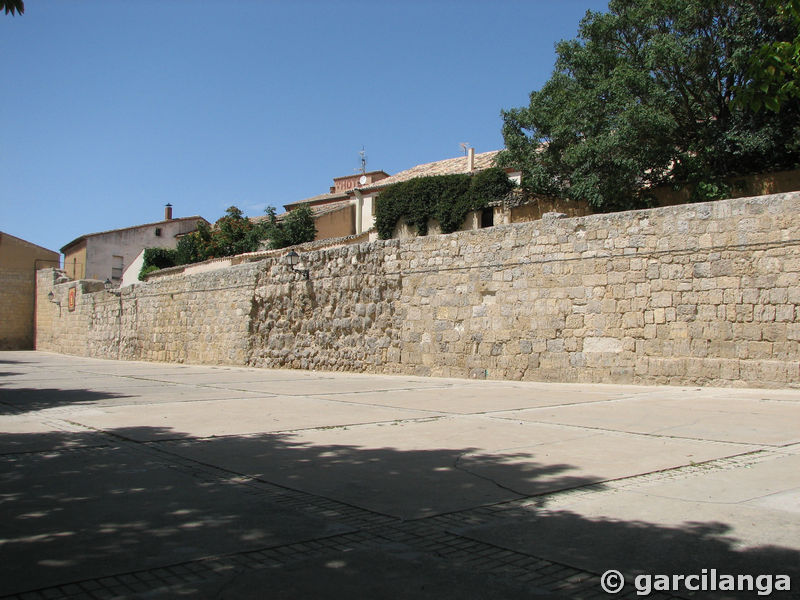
{"points": [[16, 314], [704, 293], [695, 294], [203, 318], [87, 330]]}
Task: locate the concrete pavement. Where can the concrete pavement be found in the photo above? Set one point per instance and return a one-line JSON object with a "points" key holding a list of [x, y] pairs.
{"points": [[149, 480]]}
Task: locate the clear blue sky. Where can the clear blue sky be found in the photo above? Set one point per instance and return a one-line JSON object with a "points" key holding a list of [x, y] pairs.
{"points": [[112, 108]]}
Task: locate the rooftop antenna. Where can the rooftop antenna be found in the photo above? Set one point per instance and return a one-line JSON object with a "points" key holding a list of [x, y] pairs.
{"points": [[363, 155], [464, 147], [363, 179]]}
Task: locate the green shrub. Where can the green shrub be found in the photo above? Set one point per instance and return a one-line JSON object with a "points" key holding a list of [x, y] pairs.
{"points": [[705, 191], [155, 259], [146, 271], [159, 257]]}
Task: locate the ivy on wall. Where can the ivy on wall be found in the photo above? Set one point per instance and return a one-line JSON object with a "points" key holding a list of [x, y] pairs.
{"points": [[444, 198]]}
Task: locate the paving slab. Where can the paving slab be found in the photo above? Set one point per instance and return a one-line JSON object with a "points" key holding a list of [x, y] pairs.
{"points": [[32, 400], [41, 377], [90, 513], [738, 519], [743, 420], [124, 368], [223, 378], [334, 385], [413, 469], [146, 480], [378, 574], [22, 434], [472, 399], [235, 416]]}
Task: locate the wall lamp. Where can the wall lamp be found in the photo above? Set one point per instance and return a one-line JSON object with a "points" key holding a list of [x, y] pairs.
{"points": [[292, 259]]}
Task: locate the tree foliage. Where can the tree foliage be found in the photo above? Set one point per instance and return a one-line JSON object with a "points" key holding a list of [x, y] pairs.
{"points": [[644, 96], [297, 227], [444, 198], [774, 74], [12, 6], [231, 235]]}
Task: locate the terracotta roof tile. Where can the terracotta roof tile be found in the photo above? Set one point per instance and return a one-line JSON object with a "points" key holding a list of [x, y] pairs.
{"points": [[317, 211], [450, 166], [320, 197]]}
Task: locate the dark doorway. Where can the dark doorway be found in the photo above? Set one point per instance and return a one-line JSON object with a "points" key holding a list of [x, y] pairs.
{"points": [[487, 217]]}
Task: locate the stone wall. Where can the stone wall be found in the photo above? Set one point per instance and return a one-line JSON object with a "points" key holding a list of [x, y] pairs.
{"points": [[16, 314], [19, 260], [695, 294]]}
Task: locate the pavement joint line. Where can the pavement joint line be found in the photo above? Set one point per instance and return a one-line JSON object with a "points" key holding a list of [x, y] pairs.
{"points": [[632, 433], [560, 405], [382, 391], [482, 515], [483, 477], [354, 425]]}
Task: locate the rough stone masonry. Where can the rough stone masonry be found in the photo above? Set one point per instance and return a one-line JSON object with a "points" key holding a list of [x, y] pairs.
{"points": [[692, 294]]}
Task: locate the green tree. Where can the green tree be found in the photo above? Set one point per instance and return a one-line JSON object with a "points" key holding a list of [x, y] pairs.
{"points": [[774, 75], [644, 97], [12, 6], [297, 227], [232, 234], [235, 234], [191, 248]]}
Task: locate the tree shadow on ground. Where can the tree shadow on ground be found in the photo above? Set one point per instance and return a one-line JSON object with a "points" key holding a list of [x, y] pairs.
{"points": [[20, 401], [4, 362], [82, 505]]}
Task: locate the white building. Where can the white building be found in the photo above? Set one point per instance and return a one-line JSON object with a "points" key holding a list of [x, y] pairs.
{"points": [[107, 254]]}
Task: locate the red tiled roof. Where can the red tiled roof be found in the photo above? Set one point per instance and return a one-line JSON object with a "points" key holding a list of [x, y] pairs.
{"points": [[450, 166]]}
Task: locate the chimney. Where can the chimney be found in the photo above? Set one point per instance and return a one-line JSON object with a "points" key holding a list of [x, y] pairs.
{"points": [[471, 160], [168, 212]]}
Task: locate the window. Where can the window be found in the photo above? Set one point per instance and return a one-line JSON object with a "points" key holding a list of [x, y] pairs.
{"points": [[116, 268], [158, 231]]}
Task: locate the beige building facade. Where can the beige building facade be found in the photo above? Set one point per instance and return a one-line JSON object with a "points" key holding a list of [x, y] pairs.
{"points": [[107, 254], [19, 261]]}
